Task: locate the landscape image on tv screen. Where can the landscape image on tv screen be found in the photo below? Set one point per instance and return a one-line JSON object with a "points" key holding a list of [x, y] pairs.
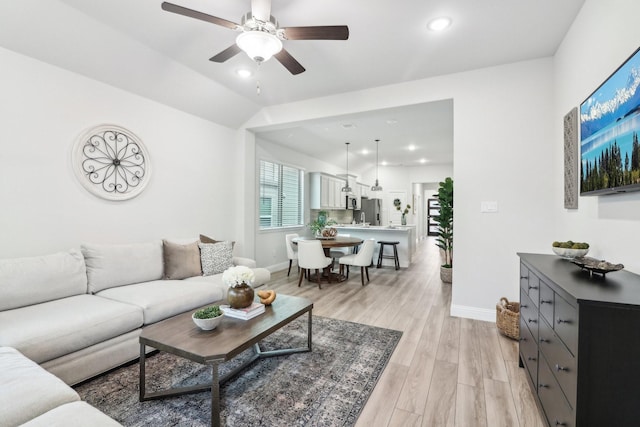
{"points": [[609, 130]]}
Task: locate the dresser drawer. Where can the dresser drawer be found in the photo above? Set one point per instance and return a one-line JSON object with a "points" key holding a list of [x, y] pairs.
{"points": [[566, 323], [524, 278], [528, 315], [529, 353], [534, 288], [561, 361], [556, 408], [546, 302]]}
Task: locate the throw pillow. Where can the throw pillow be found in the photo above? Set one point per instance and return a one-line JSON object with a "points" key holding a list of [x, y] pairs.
{"points": [[181, 261], [216, 257], [207, 239]]}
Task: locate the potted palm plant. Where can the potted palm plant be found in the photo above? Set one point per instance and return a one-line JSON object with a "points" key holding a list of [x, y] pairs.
{"points": [[445, 227]]}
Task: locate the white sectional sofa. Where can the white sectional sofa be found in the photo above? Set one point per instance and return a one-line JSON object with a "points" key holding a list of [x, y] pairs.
{"points": [[31, 396], [79, 313]]}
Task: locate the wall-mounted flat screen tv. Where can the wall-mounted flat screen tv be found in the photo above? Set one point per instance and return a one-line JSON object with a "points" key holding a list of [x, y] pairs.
{"points": [[609, 132]]}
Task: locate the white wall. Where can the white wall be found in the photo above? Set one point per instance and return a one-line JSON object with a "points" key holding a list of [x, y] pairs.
{"points": [[503, 146], [42, 206], [602, 37]]}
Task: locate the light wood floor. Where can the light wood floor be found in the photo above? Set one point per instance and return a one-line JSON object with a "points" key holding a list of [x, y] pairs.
{"points": [[446, 371]]}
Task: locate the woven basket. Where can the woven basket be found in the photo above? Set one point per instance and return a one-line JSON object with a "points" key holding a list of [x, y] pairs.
{"points": [[508, 318]]}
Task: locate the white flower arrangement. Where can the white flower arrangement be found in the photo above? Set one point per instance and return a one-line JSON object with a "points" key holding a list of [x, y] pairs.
{"points": [[235, 276]]}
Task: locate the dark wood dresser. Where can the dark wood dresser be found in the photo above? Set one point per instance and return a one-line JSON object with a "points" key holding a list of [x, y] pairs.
{"points": [[580, 342]]}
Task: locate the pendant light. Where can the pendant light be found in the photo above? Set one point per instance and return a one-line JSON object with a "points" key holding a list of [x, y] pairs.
{"points": [[346, 188], [377, 186]]}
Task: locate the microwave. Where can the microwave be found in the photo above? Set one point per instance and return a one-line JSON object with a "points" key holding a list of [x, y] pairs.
{"points": [[352, 203]]}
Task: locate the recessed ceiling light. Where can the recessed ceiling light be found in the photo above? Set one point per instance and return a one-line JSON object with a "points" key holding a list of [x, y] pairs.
{"points": [[412, 147], [439, 24], [365, 151], [392, 122], [423, 160], [244, 73], [384, 163]]}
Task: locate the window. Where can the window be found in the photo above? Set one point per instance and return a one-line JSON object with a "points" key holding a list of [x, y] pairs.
{"points": [[280, 195]]}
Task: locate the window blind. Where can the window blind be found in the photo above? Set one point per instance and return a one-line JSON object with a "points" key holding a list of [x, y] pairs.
{"points": [[280, 195]]}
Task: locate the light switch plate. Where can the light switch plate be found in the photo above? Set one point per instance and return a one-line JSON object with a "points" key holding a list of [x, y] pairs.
{"points": [[489, 207]]}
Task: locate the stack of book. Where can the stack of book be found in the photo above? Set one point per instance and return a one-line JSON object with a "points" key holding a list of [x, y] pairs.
{"points": [[246, 313]]}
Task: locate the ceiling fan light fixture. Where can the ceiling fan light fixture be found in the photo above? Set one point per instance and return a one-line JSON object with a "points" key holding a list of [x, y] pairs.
{"points": [[377, 186], [260, 46]]}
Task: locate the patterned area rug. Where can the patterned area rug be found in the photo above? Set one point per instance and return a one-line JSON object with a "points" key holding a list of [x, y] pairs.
{"points": [[327, 387]]}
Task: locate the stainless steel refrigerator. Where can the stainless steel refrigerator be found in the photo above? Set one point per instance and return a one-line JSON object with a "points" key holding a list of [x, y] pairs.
{"points": [[372, 209]]}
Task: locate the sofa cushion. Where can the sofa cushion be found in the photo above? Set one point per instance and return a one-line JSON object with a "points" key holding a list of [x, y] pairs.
{"points": [[32, 280], [261, 276], [207, 239], [164, 298], [247, 262], [116, 265], [27, 390], [216, 257], [75, 414], [48, 330], [181, 261]]}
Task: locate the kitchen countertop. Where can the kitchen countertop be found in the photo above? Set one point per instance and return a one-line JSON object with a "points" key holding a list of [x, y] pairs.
{"points": [[374, 227], [404, 234]]}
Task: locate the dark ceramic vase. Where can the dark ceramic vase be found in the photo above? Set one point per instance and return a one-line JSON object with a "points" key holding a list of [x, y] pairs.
{"points": [[240, 296]]}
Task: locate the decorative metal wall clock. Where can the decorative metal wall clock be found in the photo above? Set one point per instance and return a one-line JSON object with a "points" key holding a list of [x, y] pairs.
{"points": [[111, 162]]}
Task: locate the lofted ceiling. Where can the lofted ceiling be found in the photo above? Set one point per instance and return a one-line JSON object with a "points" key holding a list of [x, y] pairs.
{"points": [[412, 135], [137, 46]]}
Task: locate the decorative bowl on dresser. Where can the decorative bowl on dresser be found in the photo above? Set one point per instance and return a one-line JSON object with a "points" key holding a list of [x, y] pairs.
{"points": [[579, 342]]}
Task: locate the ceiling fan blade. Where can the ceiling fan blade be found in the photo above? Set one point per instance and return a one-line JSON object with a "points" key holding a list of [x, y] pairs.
{"points": [[228, 53], [326, 32], [289, 62], [261, 9], [170, 7]]}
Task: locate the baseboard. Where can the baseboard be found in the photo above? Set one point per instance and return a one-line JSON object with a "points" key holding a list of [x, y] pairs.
{"points": [[473, 313], [281, 266]]}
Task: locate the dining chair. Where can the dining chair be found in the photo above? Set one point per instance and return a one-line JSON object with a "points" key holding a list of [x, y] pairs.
{"points": [[292, 252], [311, 256], [363, 259], [337, 253]]}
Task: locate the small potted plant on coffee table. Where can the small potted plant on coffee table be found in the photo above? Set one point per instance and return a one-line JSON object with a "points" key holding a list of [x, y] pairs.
{"points": [[208, 318]]}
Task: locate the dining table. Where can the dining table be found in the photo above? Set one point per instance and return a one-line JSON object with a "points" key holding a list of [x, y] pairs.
{"points": [[329, 243]]}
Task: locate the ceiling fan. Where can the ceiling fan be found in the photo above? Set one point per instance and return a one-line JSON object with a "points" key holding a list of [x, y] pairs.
{"points": [[260, 35]]}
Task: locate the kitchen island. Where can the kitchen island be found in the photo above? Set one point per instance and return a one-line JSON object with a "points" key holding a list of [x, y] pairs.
{"points": [[405, 234]]}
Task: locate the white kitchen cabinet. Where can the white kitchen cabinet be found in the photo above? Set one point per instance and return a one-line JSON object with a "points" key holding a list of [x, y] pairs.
{"points": [[325, 191], [339, 201]]}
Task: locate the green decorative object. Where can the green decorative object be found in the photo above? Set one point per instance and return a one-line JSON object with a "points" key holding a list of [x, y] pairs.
{"points": [[208, 318], [240, 296], [320, 223], [404, 212], [208, 313], [445, 225]]}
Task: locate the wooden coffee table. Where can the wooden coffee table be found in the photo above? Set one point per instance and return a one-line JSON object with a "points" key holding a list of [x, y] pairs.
{"points": [[180, 336]]}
